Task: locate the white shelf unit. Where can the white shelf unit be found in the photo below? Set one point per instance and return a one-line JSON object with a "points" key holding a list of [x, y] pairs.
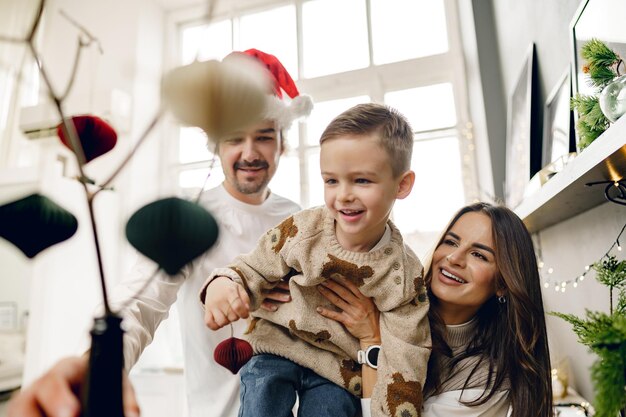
{"points": [[565, 195]]}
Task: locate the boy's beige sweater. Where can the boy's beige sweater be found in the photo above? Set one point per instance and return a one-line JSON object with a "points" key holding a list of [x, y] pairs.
{"points": [[304, 247]]}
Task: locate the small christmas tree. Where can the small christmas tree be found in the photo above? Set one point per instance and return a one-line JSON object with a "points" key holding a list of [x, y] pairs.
{"points": [[605, 335], [602, 67]]}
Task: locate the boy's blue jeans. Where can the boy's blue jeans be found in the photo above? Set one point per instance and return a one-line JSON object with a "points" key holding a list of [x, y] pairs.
{"points": [[269, 385]]}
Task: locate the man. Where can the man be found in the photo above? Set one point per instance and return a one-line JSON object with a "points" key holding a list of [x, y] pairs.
{"points": [[245, 209]]}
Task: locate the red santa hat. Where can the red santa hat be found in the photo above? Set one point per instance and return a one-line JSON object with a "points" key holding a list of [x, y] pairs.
{"points": [[279, 108]]}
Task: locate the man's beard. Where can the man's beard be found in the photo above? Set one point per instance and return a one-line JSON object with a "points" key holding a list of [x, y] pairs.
{"points": [[256, 185]]}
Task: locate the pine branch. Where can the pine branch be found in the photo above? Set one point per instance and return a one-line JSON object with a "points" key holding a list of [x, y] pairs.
{"points": [[586, 133], [610, 383], [602, 63], [610, 272], [596, 51], [592, 331], [600, 76], [595, 119], [583, 103], [620, 309]]}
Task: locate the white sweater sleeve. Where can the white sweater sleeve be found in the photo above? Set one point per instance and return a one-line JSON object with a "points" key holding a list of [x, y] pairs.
{"points": [[447, 405], [147, 310]]}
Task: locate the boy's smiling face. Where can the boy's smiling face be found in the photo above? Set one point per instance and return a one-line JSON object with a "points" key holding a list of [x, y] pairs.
{"points": [[359, 188]]}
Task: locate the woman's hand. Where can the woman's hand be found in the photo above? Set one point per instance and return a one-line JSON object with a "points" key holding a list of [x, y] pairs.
{"points": [[358, 313], [55, 394], [276, 296]]}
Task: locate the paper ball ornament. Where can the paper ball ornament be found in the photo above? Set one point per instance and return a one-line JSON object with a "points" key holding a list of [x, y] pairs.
{"points": [[35, 223], [218, 97], [96, 136], [172, 232], [233, 353]]}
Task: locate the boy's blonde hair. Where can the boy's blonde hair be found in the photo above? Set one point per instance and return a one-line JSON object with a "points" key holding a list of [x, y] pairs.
{"points": [[394, 131]]}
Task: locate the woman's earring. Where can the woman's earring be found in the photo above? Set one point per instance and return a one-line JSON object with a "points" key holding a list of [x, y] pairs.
{"points": [[502, 299]]}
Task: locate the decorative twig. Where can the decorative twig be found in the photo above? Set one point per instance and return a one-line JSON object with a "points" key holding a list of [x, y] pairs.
{"points": [[82, 29], [70, 131], [70, 82], [33, 29], [11, 40], [142, 138], [206, 179]]}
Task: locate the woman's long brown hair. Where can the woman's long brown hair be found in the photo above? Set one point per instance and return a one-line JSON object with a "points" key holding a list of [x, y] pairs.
{"points": [[511, 336]]}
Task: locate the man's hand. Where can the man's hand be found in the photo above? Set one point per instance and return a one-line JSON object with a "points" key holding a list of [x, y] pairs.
{"points": [[56, 393], [276, 296], [225, 302]]}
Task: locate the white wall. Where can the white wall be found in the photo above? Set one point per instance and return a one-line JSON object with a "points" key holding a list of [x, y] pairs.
{"points": [[568, 247]]}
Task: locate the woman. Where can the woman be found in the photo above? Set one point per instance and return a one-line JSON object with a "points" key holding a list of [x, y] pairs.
{"points": [[490, 352]]}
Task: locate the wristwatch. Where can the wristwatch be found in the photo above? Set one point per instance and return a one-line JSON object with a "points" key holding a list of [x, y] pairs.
{"points": [[369, 356]]}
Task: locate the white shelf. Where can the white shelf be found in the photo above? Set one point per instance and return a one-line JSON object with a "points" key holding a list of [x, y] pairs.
{"points": [[565, 194]]}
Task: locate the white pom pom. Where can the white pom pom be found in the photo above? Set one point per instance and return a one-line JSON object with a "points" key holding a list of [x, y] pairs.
{"points": [[301, 106]]}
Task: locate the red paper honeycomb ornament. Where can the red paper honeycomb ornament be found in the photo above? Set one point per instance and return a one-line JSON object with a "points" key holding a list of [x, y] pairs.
{"points": [[96, 136], [233, 353]]}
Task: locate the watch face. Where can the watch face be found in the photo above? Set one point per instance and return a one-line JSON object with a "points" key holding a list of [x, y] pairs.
{"points": [[372, 355]]}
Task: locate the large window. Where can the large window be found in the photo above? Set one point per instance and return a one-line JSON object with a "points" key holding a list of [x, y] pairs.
{"points": [[404, 53]]}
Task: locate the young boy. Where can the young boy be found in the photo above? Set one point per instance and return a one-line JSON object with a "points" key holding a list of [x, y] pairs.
{"points": [[365, 162]]}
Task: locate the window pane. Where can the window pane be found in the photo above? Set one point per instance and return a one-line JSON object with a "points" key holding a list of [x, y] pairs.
{"points": [[334, 36], [213, 41], [286, 181], [324, 112], [192, 145], [433, 199], [292, 137], [190, 180], [274, 32], [405, 29], [315, 184], [427, 108]]}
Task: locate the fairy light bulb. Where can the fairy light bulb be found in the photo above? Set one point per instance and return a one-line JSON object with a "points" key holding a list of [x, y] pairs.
{"points": [[575, 284], [540, 264], [587, 267], [550, 270], [582, 277], [546, 285]]}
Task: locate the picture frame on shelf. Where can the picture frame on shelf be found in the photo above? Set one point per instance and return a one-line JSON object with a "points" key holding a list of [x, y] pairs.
{"points": [[558, 123], [523, 137]]}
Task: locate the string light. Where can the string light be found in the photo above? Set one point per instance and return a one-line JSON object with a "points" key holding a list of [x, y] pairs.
{"points": [[561, 285]]}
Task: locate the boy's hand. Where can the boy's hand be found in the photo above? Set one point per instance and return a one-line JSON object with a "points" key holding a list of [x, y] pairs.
{"points": [[225, 302]]}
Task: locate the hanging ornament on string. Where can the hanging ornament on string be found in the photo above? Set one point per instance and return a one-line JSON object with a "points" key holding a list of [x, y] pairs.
{"points": [[233, 353], [96, 136]]}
